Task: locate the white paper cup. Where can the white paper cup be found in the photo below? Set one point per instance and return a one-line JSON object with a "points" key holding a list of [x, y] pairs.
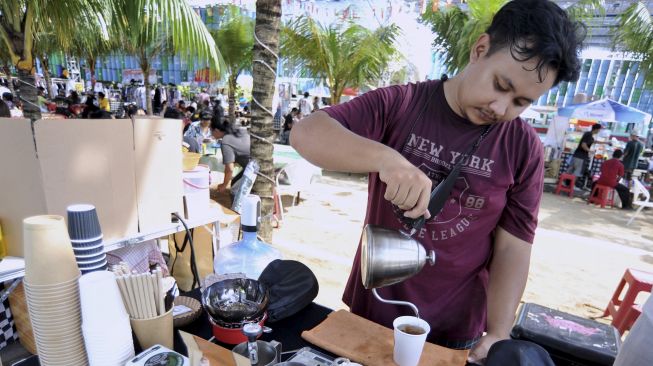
{"points": [[49, 257], [410, 334]]}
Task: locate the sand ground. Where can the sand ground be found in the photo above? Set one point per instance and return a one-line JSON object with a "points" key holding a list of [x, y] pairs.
{"points": [[579, 255]]}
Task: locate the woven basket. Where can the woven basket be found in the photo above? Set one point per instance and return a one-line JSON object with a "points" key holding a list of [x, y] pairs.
{"points": [[184, 319]]}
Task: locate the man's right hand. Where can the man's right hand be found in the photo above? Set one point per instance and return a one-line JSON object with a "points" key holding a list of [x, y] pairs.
{"points": [[407, 186]]}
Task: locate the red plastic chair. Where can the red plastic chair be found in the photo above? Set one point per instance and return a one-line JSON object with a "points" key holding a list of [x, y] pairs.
{"points": [[602, 195], [620, 310], [633, 313], [561, 187]]}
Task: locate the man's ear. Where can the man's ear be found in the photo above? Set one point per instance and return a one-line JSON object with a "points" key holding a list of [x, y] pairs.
{"points": [[480, 48]]}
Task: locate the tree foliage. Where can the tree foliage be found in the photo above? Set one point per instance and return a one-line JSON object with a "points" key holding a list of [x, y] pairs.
{"points": [[344, 54], [235, 36], [635, 34], [456, 31]]}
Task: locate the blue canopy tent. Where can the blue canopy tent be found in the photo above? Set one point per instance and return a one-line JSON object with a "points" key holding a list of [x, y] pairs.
{"points": [[605, 110]]}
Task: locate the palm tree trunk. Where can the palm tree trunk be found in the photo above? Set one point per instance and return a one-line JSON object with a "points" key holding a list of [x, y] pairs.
{"points": [[91, 69], [29, 95], [45, 62], [7, 71], [145, 68], [232, 99], [268, 17]]}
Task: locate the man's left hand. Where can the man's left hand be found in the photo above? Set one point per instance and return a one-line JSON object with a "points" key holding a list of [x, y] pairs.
{"points": [[479, 352], [223, 188]]}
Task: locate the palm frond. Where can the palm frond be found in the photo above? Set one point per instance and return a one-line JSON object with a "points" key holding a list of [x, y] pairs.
{"points": [[635, 34]]}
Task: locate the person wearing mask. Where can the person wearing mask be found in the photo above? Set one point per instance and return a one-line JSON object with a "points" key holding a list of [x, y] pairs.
{"points": [[410, 137], [611, 172], [631, 154], [103, 102], [235, 150], [581, 154]]}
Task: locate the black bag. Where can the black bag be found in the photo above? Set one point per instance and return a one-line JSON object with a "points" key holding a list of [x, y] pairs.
{"points": [[291, 285]]}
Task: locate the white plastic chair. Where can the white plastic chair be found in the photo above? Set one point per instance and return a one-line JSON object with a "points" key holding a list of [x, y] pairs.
{"points": [[639, 189], [300, 175]]}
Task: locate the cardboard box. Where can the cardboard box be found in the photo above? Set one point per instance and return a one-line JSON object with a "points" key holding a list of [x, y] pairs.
{"points": [[65, 162], [159, 185], [131, 172]]}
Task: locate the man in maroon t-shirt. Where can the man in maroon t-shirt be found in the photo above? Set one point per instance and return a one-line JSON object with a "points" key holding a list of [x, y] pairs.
{"points": [[611, 172], [484, 233]]}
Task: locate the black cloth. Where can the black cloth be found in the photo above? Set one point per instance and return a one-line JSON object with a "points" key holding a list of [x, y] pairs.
{"points": [[291, 285], [587, 138], [517, 353]]}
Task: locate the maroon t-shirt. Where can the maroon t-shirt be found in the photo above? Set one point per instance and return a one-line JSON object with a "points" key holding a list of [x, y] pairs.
{"points": [[499, 185], [611, 171]]}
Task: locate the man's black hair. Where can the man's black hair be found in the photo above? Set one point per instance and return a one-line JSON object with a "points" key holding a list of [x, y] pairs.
{"points": [[596, 126], [306, 94], [225, 127], [617, 154], [541, 30]]}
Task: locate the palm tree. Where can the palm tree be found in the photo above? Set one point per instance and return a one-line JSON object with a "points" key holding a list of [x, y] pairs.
{"points": [[347, 56], [456, 30], [265, 51], [149, 28], [92, 41], [635, 34], [236, 39], [21, 20]]}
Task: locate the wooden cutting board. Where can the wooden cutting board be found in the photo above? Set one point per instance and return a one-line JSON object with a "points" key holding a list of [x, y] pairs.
{"points": [[363, 341]]}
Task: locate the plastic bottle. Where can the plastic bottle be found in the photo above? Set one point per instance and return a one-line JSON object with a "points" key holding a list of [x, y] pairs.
{"points": [[249, 255]]}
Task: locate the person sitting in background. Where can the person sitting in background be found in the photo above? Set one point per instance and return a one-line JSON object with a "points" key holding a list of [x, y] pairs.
{"points": [[200, 131], [235, 150], [74, 98], [90, 106], [4, 110], [611, 172], [192, 114], [103, 102], [41, 101], [181, 106], [8, 98]]}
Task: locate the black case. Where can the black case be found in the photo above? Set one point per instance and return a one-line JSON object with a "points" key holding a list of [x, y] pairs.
{"points": [[291, 286], [569, 339]]}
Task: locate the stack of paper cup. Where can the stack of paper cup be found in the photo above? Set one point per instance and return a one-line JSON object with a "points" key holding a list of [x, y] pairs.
{"points": [[105, 323], [52, 291], [86, 236]]}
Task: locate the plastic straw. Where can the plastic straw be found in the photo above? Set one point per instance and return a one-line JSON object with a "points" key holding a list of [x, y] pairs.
{"points": [[126, 299], [149, 294], [162, 294], [133, 289], [142, 296]]}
